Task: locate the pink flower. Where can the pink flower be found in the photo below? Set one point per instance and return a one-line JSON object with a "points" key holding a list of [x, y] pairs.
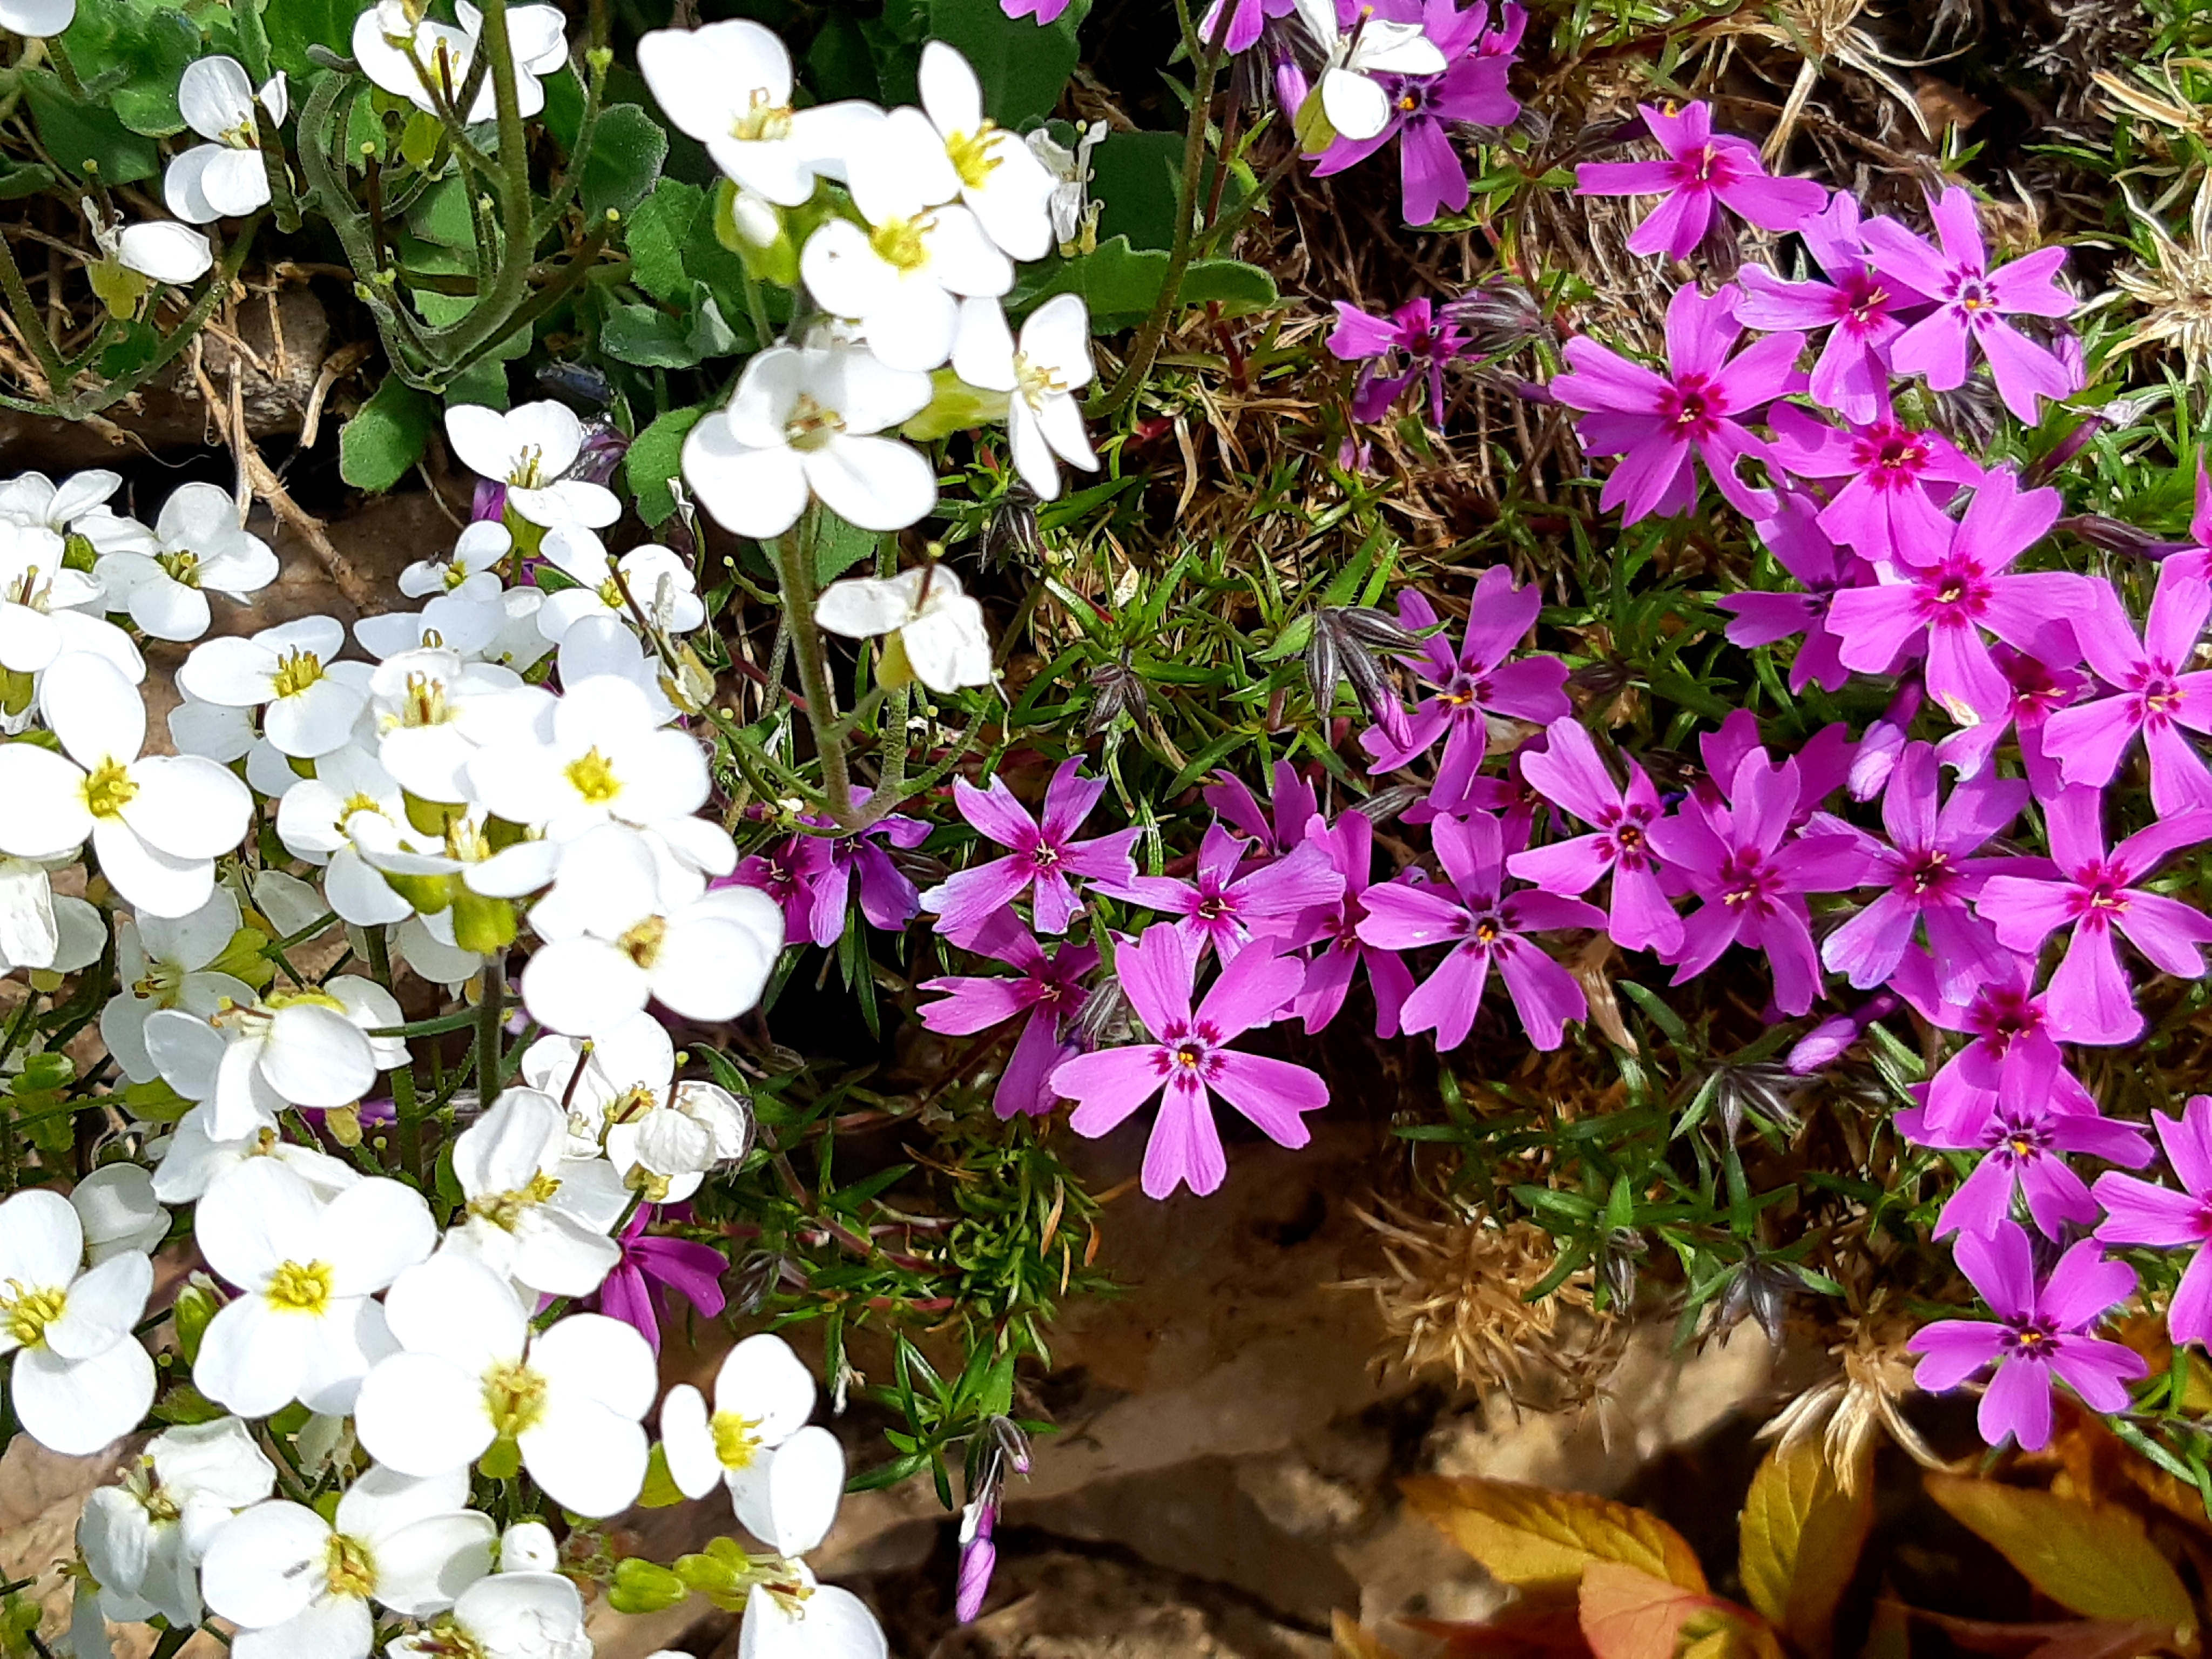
{"points": [[2034, 691], [2138, 1213], [1897, 477], [1944, 604], [2024, 1139], [1971, 302], [2039, 1330], [1226, 910], [1754, 886], [2003, 1015], [636, 1291], [1045, 11], [1415, 334], [1929, 876], [1483, 926], [1800, 546], [1568, 772], [1655, 423], [1349, 843], [2095, 896], [2155, 695], [1702, 167], [1246, 20], [1475, 679], [1279, 826], [1045, 853], [792, 875], [1189, 1061], [1857, 308], [1048, 989]]}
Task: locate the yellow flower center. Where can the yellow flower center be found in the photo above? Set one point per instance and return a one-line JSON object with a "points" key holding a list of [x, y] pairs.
{"points": [[973, 154], [299, 1287], [359, 801], [898, 244], [529, 469], [28, 1313], [761, 121], [347, 1568], [642, 943], [514, 1396], [735, 1443], [592, 776], [424, 703], [183, 565], [811, 426], [109, 789], [505, 1210], [1036, 381], [297, 670], [161, 983]]}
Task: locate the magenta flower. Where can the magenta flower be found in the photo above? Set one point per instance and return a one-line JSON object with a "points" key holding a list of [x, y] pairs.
{"points": [[1823, 762], [1857, 308], [1928, 876], [1800, 546], [2034, 692], [887, 899], [1227, 911], [1944, 604], [792, 874], [1247, 19], [2039, 1330], [2004, 1016], [1567, 772], [1416, 334], [2138, 1213], [1701, 169], [2094, 895], [1189, 1059], [1279, 826], [1657, 423], [1349, 843], [1484, 926], [1048, 989], [1045, 855], [1431, 174], [1971, 303], [1898, 479], [1045, 11], [2024, 1139], [1475, 679], [1735, 858], [636, 1291], [2155, 695]]}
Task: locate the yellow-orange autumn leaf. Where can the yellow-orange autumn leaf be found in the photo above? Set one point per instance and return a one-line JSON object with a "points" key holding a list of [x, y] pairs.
{"points": [[1528, 1536], [1626, 1614], [1802, 1535], [2093, 1560], [1353, 1643]]}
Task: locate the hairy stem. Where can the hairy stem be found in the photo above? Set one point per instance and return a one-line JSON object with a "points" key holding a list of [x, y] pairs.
{"points": [[793, 553]]}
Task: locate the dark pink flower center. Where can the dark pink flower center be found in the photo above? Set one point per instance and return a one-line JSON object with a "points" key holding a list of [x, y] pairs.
{"points": [[2157, 693], [1189, 1056], [1889, 456], [1465, 691], [1748, 883], [1955, 594], [1692, 406], [2100, 895], [1044, 856], [2033, 1338], [1861, 302], [2015, 1142], [1999, 1017], [1929, 876]]}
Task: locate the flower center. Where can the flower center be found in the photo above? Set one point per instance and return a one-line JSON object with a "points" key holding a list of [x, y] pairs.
{"points": [[296, 672], [28, 1313], [592, 776], [642, 943], [424, 702], [973, 154], [1934, 870], [514, 1399], [183, 565], [347, 1569], [109, 789], [811, 426], [505, 1210], [1037, 381], [527, 473], [163, 983], [735, 1443], [299, 1287], [898, 243], [761, 121]]}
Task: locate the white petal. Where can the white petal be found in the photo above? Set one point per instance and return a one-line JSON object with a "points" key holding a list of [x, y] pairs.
{"points": [[329, 1627], [689, 1441], [266, 1565], [117, 1205], [40, 1240], [455, 1308], [373, 1233], [316, 1057], [101, 1307], [787, 1495], [422, 1567], [214, 96], [45, 814], [480, 441], [76, 1407], [97, 713], [253, 1355], [596, 1358], [587, 1458], [257, 1217], [422, 1415], [1357, 107], [187, 807], [902, 170], [762, 1380], [873, 484], [580, 986], [983, 350], [158, 882], [951, 94], [753, 492]]}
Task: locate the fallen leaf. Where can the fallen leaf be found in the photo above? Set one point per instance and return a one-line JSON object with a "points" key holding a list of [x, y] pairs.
{"points": [[1540, 1624], [2072, 1639], [1801, 1538], [1354, 1643], [1528, 1536], [2093, 1560], [1626, 1614]]}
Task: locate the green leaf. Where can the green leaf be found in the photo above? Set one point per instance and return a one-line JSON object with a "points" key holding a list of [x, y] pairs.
{"points": [[75, 130], [657, 234], [1133, 177], [646, 336], [442, 216], [840, 547], [656, 457], [839, 64], [482, 382], [138, 347], [130, 57], [1024, 68], [385, 435], [25, 178], [628, 148], [1119, 284], [295, 25]]}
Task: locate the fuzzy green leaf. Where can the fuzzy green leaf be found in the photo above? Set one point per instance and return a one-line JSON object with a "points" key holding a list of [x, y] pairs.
{"points": [[628, 148], [385, 435], [656, 457]]}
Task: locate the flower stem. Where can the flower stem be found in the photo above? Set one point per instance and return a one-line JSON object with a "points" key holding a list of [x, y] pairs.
{"points": [[490, 1011], [404, 1106], [793, 553]]}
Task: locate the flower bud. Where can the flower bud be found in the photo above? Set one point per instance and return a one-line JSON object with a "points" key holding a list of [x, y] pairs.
{"points": [[1116, 689], [642, 1586], [978, 1556]]}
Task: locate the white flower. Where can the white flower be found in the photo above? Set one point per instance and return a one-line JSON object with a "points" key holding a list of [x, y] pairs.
{"points": [[144, 1538], [77, 507], [158, 822], [660, 581], [38, 19], [310, 699], [39, 598], [534, 1214], [411, 57], [528, 1546], [203, 550], [610, 758], [79, 1378], [796, 1618], [474, 1374], [167, 253], [1074, 215], [939, 628], [470, 569], [728, 85], [431, 711], [900, 280], [299, 1588], [613, 941], [214, 730], [509, 1616], [464, 622], [194, 1160], [1041, 375], [804, 421], [225, 177], [785, 1479], [520, 641], [39, 929], [305, 1325], [118, 1211], [603, 1079], [312, 818], [996, 174], [1356, 104], [426, 944], [300, 1047], [591, 647], [428, 866], [527, 449]]}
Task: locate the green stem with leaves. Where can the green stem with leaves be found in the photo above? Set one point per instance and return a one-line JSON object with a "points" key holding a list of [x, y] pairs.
{"points": [[793, 554]]}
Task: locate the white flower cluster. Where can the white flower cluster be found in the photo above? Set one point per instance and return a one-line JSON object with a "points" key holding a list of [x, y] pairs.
{"points": [[909, 261]]}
